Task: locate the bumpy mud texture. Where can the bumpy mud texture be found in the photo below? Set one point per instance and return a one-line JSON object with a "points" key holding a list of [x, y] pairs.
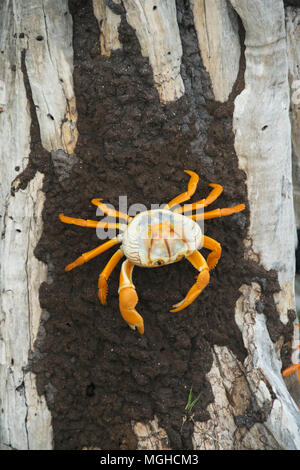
{"points": [[97, 374], [292, 3]]}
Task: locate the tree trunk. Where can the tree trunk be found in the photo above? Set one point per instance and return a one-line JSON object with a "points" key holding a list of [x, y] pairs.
{"points": [[145, 90]]}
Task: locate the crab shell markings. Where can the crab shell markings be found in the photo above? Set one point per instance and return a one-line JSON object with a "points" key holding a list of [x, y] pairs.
{"points": [[158, 237]]}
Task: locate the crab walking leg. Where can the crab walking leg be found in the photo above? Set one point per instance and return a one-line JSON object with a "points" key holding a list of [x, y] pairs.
{"points": [[92, 254], [218, 213], [290, 370], [104, 275], [90, 223], [216, 251], [188, 194], [128, 298], [109, 211], [213, 195], [198, 261]]}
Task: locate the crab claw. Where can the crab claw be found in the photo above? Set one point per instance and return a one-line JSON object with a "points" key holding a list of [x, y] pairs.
{"points": [[195, 290], [128, 298], [127, 301]]}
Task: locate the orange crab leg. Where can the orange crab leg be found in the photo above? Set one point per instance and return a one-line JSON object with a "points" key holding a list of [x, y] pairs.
{"points": [[213, 195], [109, 211], [128, 298], [188, 194], [290, 370], [218, 213], [92, 254], [89, 223], [198, 261], [216, 251], [103, 278]]}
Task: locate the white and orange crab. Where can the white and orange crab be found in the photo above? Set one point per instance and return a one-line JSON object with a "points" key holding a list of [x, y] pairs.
{"points": [[155, 238]]}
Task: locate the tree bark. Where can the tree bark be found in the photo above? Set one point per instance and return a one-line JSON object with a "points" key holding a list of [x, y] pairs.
{"points": [[252, 408]]}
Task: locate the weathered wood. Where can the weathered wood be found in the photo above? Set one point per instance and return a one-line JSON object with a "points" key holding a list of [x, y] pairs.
{"points": [[217, 30], [108, 24], [44, 30], [263, 145], [293, 50], [158, 34]]}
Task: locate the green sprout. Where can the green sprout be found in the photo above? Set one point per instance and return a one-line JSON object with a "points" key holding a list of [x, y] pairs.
{"points": [[191, 403]]}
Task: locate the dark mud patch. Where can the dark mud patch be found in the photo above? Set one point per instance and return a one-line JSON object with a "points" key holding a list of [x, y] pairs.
{"points": [[39, 157], [292, 3], [98, 375]]}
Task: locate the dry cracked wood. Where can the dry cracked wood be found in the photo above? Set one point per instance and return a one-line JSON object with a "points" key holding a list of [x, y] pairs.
{"points": [[45, 32], [293, 49], [217, 30], [158, 34]]}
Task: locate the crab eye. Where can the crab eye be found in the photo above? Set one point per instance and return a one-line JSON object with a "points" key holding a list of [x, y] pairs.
{"points": [[159, 262]]}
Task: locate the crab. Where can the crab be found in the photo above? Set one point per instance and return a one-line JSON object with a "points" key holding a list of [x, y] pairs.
{"points": [[154, 238]]}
